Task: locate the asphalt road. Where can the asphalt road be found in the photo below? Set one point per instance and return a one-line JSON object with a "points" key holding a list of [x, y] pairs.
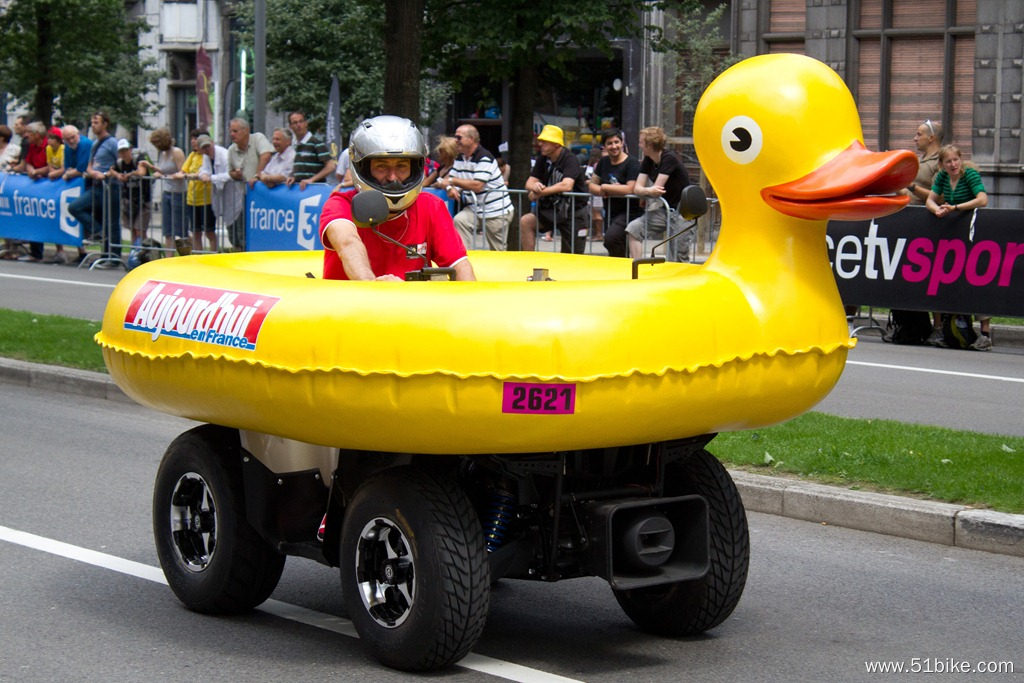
{"points": [[81, 598]]}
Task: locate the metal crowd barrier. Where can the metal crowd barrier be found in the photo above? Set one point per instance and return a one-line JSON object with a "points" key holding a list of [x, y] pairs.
{"points": [[675, 249], [141, 215], [149, 219]]}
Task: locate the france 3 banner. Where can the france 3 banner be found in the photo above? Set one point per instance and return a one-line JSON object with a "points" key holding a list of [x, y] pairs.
{"points": [[283, 218], [966, 262], [37, 210]]}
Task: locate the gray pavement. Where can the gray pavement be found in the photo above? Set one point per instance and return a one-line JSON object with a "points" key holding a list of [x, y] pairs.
{"points": [[912, 518]]}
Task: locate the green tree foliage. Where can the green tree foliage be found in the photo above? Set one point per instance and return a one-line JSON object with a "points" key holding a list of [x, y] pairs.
{"points": [[693, 43], [75, 56], [514, 41], [308, 41]]}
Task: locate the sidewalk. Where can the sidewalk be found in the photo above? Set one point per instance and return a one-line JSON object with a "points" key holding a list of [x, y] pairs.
{"points": [[1009, 336], [922, 520]]}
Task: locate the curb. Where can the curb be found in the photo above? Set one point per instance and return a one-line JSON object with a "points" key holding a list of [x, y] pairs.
{"points": [[1008, 335], [922, 520]]}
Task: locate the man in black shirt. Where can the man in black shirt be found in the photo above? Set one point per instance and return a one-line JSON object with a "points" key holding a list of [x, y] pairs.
{"points": [[555, 171], [662, 175], [615, 177]]}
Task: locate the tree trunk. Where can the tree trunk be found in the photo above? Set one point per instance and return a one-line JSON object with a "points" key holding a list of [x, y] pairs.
{"points": [[524, 97], [403, 30], [42, 102]]}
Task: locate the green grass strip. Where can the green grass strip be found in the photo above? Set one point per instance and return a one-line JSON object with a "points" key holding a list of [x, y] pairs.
{"points": [[50, 339], [885, 455]]}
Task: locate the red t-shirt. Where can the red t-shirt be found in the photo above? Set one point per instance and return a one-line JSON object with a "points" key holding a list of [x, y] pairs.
{"points": [[426, 225], [36, 156]]}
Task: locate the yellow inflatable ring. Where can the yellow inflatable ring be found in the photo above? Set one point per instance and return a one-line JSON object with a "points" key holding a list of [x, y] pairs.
{"points": [[503, 365]]}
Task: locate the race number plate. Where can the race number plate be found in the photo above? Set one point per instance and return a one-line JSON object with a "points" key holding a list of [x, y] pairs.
{"points": [[533, 398]]}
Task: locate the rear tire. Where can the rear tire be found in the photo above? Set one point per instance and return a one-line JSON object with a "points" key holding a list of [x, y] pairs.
{"points": [[692, 607], [414, 572], [214, 561]]}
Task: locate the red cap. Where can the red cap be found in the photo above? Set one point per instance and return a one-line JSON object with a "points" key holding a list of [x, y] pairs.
{"points": [[55, 132]]}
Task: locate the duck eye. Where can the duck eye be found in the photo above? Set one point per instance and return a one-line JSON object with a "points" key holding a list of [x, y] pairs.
{"points": [[741, 139]]}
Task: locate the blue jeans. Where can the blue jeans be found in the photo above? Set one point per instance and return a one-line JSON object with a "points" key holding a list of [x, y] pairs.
{"points": [[172, 210], [97, 211]]}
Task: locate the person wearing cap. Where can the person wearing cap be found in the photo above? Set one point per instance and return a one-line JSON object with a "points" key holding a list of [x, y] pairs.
{"points": [[199, 195], [54, 150], [387, 154], [228, 195], [136, 190], [556, 170]]}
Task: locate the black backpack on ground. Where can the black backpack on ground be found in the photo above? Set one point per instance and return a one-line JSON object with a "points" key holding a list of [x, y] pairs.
{"points": [[958, 330], [908, 327]]}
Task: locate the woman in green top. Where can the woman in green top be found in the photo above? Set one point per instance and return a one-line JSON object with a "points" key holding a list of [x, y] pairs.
{"points": [[957, 187]]}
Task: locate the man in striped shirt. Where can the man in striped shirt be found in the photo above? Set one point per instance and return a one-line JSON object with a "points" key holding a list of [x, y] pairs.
{"points": [[313, 161], [476, 177]]}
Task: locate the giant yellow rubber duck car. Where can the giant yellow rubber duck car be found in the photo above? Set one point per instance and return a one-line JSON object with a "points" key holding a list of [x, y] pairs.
{"points": [[448, 434]]}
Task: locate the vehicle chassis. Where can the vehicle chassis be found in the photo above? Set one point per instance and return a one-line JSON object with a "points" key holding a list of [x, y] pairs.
{"points": [[420, 538]]}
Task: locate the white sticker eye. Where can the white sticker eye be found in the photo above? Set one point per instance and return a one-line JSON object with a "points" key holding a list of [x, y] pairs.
{"points": [[741, 139]]}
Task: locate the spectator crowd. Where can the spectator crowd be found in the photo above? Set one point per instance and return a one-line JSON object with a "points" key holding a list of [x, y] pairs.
{"points": [[606, 195], [196, 190]]}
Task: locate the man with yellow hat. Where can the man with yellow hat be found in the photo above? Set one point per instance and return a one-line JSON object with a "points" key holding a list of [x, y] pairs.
{"points": [[555, 171]]}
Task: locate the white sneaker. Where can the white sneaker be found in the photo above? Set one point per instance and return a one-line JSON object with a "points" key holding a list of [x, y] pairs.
{"points": [[982, 343]]}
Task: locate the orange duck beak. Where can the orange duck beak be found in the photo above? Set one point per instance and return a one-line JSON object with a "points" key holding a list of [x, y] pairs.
{"points": [[855, 185]]}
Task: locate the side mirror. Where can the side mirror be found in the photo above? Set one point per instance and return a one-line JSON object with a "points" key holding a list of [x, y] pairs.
{"points": [[369, 208], [693, 203]]}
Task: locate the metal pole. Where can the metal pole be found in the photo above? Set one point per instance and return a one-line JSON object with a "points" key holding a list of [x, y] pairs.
{"points": [[259, 82]]}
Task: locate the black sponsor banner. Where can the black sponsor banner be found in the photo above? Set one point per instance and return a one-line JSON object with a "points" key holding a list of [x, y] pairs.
{"points": [[969, 261]]}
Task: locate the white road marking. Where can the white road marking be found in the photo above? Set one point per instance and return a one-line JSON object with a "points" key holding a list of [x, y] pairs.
{"points": [[487, 665], [58, 281], [933, 371]]}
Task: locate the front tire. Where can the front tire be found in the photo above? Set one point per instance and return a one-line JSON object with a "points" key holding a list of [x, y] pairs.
{"points": [[214, 561], [692, 607], [414, 571]]}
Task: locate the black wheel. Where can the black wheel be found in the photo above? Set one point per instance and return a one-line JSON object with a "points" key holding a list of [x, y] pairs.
{"points": [[692, 607], [414, 572], [213, 560]]}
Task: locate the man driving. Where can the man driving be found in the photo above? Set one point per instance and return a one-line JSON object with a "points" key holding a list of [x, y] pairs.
{"points": [[387, 154]]}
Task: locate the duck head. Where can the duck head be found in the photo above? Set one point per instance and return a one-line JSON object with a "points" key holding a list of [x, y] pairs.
{"points": [[782, 131]]}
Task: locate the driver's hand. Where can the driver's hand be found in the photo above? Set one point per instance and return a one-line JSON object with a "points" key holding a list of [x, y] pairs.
{"points": [[389, 278]]}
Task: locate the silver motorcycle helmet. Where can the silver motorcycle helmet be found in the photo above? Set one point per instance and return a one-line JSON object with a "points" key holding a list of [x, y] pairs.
{"points": [[388, 137]]}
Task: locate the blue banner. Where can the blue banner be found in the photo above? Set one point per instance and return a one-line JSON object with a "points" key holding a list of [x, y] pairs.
{"points": [[37, 210], [284, 218]]}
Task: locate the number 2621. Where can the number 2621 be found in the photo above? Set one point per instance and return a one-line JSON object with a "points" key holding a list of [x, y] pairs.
{"points": [[533, 398]]}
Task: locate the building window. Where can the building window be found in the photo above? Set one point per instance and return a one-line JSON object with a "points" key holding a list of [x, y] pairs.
{"points": [[913, 60]]}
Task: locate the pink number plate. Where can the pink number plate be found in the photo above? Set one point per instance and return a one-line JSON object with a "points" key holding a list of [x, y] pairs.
{"points": [[534, 398]]}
